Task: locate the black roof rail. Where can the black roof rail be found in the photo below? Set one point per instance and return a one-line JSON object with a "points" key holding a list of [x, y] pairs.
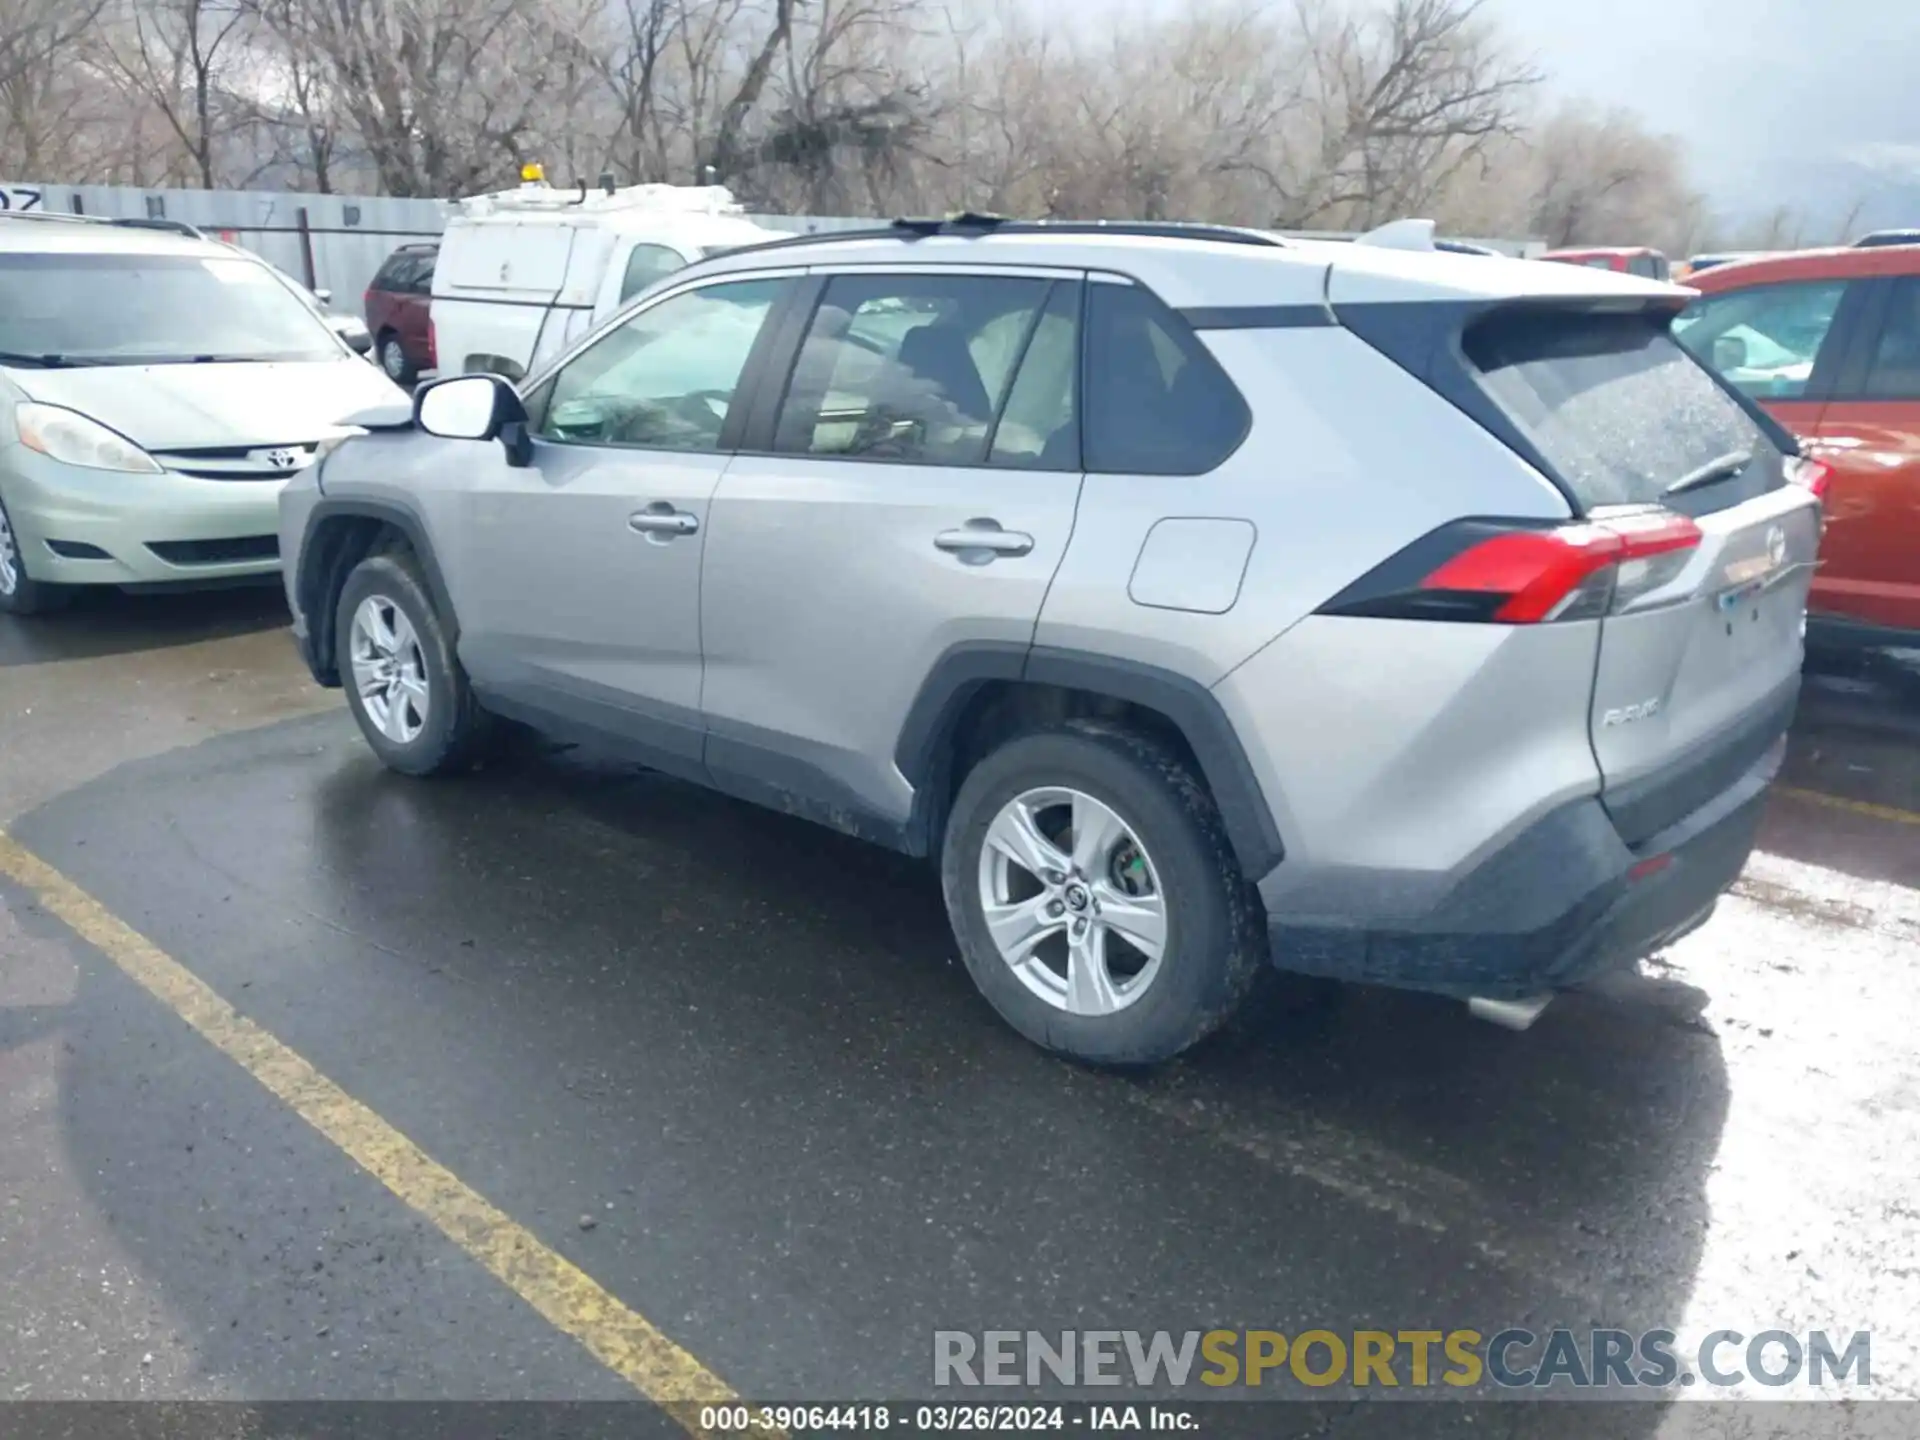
{"points": [[176, 227], [974, 226]]}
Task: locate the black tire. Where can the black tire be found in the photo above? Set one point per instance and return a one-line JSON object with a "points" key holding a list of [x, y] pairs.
{"points": [[24, 595], [389, 351], [454, 730], [1216, 934]]}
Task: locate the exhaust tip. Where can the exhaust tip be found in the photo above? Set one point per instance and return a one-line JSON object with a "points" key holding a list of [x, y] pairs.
{"points": [[1509, 1014]]}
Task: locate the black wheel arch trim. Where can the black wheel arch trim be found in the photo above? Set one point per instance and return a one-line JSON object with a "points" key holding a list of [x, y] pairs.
{"points": [[959, 673], [402, 517]]}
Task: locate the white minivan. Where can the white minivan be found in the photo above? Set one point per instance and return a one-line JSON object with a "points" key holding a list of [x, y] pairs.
{"points": [[523, 273]]}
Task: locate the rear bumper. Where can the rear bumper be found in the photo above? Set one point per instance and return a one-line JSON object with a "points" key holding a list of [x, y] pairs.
{"points": [[1563, 902]]}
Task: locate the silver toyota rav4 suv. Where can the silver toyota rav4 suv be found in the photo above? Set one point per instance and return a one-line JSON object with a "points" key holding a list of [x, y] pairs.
{"points": [[1197, 601]]}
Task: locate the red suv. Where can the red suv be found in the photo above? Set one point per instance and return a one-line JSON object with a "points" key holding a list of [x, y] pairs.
{"points": [[1639, 260], [397, 303], [1829, 342]]}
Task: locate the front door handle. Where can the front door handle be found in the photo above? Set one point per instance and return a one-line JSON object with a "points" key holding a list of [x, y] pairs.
{"points": [[662, 520], [979, 541]]}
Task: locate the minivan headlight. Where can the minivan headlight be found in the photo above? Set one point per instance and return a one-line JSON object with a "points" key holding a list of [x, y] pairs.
{"points": [[73, 439]]}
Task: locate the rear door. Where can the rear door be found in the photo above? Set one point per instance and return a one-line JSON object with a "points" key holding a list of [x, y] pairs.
{"points": [[1700, 653], [1869, 432], [916, 490]]}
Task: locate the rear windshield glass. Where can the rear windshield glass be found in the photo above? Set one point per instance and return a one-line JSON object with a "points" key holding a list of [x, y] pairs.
{"points": [[75, 310], [1612, 402]]}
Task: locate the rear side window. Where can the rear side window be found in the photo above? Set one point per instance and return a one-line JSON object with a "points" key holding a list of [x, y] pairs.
{"points": [[1157, 402], [1895, 373], [1611, 401], [390, 274]]}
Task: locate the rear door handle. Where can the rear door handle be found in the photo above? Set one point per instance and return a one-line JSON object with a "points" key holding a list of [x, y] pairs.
{"points": [[663, 520], [979, 541]]}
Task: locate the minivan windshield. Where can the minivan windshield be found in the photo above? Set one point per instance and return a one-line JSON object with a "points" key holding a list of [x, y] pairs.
{"points": [[65, 310]]}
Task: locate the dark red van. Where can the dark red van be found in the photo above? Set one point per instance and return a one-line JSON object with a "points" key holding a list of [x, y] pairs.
{"points": [[397, 303]]}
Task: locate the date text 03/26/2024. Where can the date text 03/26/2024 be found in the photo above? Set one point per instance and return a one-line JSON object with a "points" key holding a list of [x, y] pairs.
{"points": [[936, 1419]]}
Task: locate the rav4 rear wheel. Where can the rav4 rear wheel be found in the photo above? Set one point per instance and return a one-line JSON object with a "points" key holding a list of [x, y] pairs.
{"points": [[1095, 895], [404, 684]]}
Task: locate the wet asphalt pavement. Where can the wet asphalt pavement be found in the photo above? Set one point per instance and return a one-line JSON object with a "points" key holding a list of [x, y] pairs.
{"points": [[730, 1066]]}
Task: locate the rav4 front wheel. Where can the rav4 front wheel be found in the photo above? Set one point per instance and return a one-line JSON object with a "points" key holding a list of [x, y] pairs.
{"points": [[404, 684], [1096, 898]]}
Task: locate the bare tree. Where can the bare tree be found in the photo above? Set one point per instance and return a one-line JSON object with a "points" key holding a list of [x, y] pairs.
{"points": [[43, 86], [172, 55]]}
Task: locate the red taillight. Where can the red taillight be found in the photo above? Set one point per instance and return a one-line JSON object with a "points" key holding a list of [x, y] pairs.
{"points": [[1543, 575], [1814, 475], [1512, 573], [433, 347], [1534, 571]]}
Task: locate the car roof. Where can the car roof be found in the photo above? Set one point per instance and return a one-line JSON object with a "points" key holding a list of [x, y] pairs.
{"points": [[1200, 267], [20, 235], [1833, 263]]}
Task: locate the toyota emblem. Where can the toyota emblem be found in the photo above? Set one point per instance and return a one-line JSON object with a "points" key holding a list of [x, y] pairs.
{"points": [[283, 459]]}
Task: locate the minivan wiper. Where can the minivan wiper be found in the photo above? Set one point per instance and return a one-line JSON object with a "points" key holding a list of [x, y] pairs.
{"points": [[1730, 464]]}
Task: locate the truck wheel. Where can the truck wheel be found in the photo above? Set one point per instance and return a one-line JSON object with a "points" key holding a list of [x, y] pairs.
{"points": [[1095, 896], [404, 684]]}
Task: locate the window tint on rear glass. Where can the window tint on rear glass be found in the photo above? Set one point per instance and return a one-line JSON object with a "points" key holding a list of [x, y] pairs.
{"points": [[390, 276], [1610, 401], [1763, 340], [1157, 401], [1895, 374]]}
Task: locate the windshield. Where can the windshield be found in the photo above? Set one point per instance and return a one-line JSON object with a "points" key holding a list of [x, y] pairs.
{"points": [[152, 309]]}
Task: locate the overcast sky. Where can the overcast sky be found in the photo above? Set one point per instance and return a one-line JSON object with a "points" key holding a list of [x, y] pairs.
{"points": [[1782, 102]]}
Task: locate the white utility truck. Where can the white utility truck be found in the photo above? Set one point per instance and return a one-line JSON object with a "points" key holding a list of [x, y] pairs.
{"points": [[523, 273]]}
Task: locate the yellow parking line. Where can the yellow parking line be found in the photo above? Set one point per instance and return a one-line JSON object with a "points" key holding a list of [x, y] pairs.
{"points": [[623, 1340], [1892, 813]]}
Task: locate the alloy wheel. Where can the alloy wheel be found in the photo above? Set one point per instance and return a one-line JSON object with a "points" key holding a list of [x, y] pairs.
{"points": [[1073, 901], [393, 359], [389, 669], [9, 558]]}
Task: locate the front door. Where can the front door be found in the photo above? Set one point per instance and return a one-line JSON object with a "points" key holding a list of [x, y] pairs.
{"points": [[920, 493], [584, 566]]}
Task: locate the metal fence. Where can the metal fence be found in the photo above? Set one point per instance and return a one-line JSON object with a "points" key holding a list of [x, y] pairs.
{"points": [[331, 242], [337, 242]]}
